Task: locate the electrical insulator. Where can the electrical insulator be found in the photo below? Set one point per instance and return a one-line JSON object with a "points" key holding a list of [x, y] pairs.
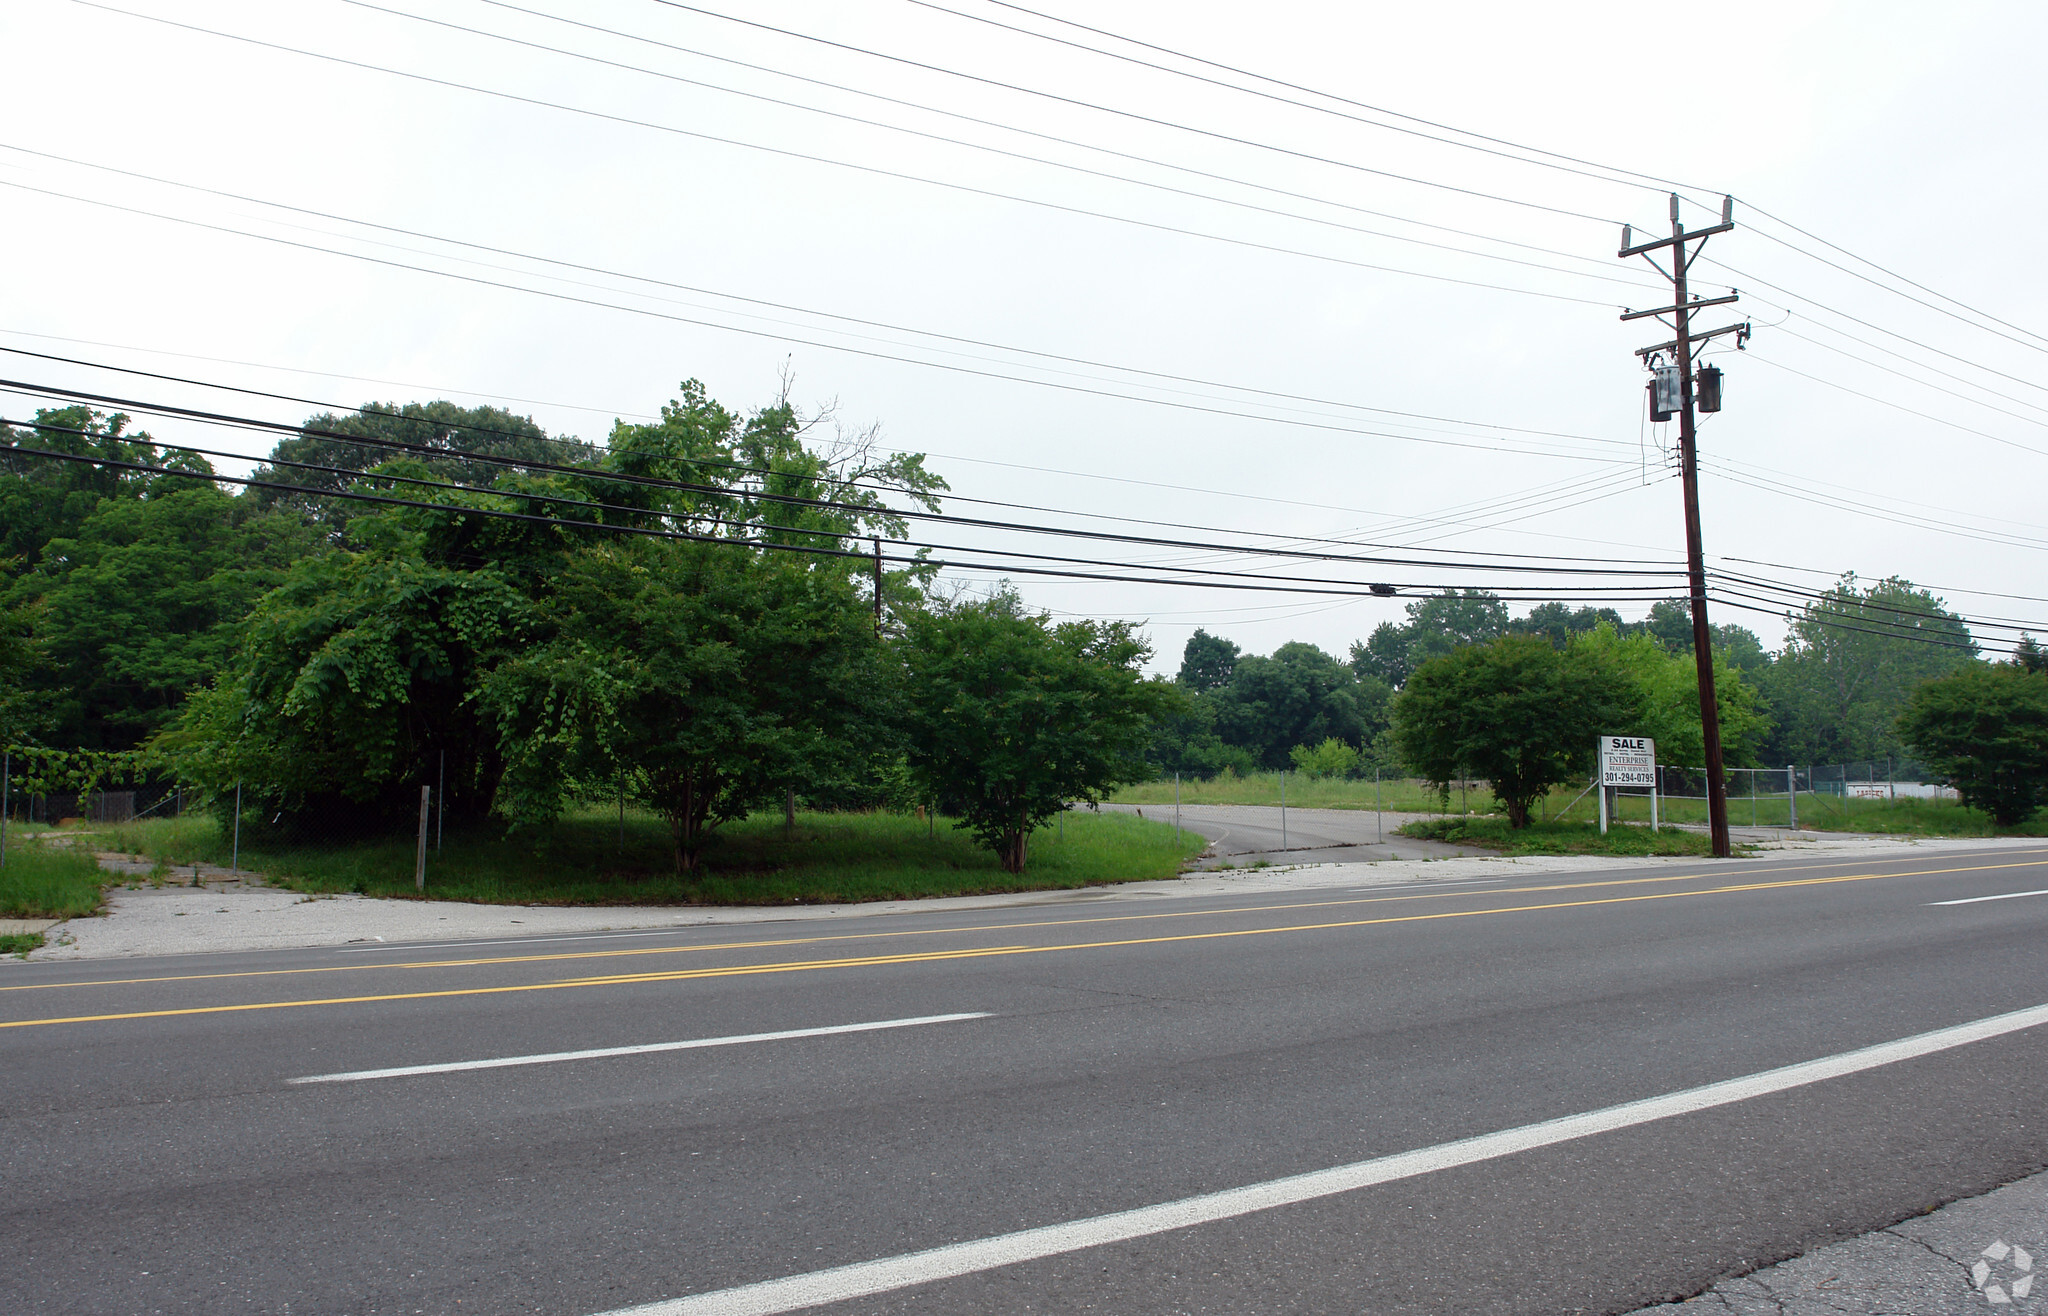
{"points": [[1710, 388]]}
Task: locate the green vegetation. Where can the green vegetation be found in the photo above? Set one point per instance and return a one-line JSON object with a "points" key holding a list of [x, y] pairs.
{"points": [[1985, 728], [48, 879], [1558, 837], [20, 944], [1515, 711], [825, 858], [1397, 794]]}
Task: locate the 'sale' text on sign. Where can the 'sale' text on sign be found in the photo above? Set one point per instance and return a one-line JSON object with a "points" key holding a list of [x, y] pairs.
{"points": [[1628, 761]]}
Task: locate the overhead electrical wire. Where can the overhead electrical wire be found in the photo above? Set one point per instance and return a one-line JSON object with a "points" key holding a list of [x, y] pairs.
{"points": [[1898, 406], [698, 290], [1609, 277], [790, 338], [1111, 110], [1571, 164], [464, 510], [1441, 517], [1037, 134], [599, 475], [1626, 175], [542, 103]]}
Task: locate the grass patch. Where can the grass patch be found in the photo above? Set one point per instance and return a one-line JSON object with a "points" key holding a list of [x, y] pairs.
{"points": [[1560, 837], [1396, 795], [45, 879], [585, 860], [1830, 813], [20, 943]]}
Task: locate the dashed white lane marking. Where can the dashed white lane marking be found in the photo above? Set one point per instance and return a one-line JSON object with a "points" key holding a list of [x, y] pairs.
{"points": [[695, 1043], [866, 1278], [1978, 900]]}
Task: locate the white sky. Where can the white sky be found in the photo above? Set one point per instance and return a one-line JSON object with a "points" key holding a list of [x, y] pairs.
{"points": [[1907, 134]]}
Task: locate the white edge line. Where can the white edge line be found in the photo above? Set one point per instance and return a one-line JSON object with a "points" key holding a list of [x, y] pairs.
{"points": [[556, 1057], [864, 1279], [515, 941], [1978, 900]]}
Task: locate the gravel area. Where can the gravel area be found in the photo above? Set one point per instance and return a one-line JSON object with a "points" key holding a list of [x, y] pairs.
{"points": [[229, 912]]}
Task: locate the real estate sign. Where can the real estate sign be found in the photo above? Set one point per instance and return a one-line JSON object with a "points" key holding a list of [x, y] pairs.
{"points": [[1628, 761]]}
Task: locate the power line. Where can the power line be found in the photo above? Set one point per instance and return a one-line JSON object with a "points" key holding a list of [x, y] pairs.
{"points": [[877, 170], [907, 513], [1026, 132], [787, 338], [795, 309], [308, 430], [1125, 114], [463, 510], [1648, 181], [994, 150], [1900, 406], [1653, 184], [1881, 269]]}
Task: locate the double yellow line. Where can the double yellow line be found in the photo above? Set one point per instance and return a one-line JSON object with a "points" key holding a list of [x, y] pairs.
{"points": [[980, 952]]}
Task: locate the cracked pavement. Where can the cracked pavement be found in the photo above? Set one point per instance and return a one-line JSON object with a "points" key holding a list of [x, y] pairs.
{"points": [[1922, 1266]]}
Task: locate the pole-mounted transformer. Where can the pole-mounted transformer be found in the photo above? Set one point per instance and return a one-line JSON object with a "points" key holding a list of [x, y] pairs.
{"points": [[1709, 394], [1667, 393]]}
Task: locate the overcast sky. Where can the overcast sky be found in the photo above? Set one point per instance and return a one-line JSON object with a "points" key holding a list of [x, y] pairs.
{"points": [[1862, 431]]}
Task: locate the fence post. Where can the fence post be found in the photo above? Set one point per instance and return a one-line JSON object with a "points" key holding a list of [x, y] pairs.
{"points": [[441, 794], [1603, 810], [1176, 810], [235, 862], [1379, 817], [1653, 797], [419, 870], [6, 782], [1283, 810]]}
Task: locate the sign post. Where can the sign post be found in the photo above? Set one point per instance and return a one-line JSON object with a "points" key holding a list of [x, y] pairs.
{"points": [[1627, 761]]}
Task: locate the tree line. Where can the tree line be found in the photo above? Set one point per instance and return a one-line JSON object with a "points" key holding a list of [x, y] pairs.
{"points": [[1832, 694], [689, 619]]}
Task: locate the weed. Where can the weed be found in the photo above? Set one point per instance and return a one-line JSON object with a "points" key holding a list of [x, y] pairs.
{"points": [[585, 860], [19, 944]]}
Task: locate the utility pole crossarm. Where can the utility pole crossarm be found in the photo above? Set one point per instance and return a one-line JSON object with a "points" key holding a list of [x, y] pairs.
{"points": [[1680, 236], [1693, 305], [1742, 328]]}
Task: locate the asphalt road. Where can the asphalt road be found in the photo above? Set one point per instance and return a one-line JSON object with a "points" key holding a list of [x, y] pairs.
{"points": [[160, 1157]]}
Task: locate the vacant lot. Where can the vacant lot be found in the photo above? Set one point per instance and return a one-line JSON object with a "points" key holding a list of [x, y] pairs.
{"points": [[594, 859]]}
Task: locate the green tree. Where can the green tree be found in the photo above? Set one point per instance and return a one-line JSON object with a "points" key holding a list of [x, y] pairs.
{"points": [[1852, 658], [1383, 655], [450, 442], [2028, 655], [1207, 663], [1559, 622], [1516, 711], [1985, 729], [1010, 717], [699, 678], [1298, 696], [353, 678], [1668, 699], [140, 605]]}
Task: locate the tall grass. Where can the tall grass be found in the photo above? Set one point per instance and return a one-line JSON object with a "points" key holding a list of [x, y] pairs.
{"points": [[1828, 813], [587, 858], [1395, 794], [45, 879]]}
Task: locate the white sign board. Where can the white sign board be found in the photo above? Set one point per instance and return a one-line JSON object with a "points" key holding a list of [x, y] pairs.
{"points": [[1628, 761]]}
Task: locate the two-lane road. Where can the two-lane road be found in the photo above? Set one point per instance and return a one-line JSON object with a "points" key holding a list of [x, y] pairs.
{"points": [[1552, 1095]]}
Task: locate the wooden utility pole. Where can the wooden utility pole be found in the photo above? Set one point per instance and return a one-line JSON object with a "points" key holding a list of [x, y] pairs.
{"points": [[878, 586], [1681, 309]]}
